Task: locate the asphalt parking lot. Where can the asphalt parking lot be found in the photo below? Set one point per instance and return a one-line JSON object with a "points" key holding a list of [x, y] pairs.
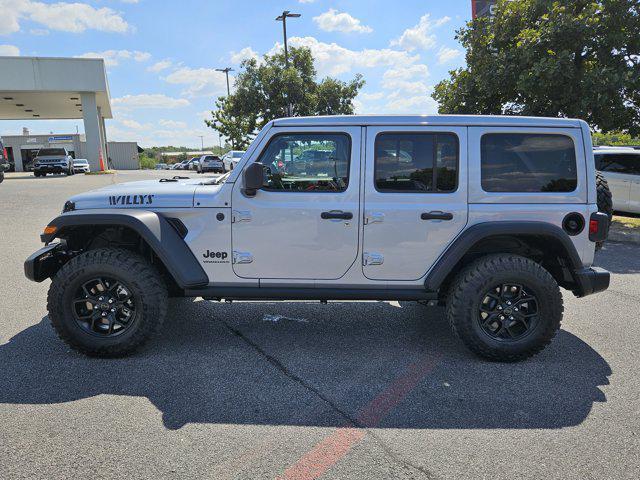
{"points": [[302, 390]]}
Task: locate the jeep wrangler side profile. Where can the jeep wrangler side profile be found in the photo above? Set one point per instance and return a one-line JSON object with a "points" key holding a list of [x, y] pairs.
{"points": [[488, 216]]}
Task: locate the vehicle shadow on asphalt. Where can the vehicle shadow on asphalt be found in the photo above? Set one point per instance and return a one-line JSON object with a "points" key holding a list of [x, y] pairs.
{"points": [[306, 364]]}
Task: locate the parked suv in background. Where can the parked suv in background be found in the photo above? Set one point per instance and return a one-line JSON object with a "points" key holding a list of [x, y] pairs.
{"points": [[210, 163], [4, 161], [621, 168], [488, 216], [81, 165], [231, 159], [52, 160]]}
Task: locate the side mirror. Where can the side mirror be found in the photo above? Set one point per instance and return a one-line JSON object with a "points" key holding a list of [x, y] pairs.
{"points": [[253, 178]]}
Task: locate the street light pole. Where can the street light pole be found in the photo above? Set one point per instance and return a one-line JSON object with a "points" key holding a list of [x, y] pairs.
{"points": [[201, 143], [226, 72], [283, 18]]}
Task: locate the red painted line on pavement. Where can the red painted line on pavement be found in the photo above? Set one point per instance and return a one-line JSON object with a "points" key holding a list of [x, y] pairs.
{"points": [[334, 447]]}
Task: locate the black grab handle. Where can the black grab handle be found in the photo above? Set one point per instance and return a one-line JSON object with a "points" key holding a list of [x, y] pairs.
{"points": [[436, 216], [336, 215]]}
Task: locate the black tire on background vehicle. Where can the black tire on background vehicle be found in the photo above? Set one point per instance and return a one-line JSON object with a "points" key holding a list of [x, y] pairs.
{"points": [[107, 302], [1, 176], [604, 200], [505, 307]]}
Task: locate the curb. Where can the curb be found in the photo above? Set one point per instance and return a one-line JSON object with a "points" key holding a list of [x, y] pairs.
{"points": [[619, 233]]}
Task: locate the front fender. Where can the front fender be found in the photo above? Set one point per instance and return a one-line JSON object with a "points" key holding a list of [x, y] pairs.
{"points": [[160, 235]]}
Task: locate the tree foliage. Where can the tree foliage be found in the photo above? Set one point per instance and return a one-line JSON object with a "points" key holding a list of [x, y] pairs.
{"points": [[265, 88], [575, 58]]}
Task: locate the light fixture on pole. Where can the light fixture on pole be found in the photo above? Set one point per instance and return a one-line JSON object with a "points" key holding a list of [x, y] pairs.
{"points": [[226, 72], [283, 18]]}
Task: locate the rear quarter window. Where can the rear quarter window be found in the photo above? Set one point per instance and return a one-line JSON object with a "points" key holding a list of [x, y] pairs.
{"points": [[528, 163]]}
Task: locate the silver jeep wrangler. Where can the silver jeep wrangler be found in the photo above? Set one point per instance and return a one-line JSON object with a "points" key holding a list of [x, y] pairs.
{"points": [[488, 216]]}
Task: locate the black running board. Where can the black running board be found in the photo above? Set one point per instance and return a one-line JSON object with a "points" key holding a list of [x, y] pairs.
{"points": [[271, 293]]}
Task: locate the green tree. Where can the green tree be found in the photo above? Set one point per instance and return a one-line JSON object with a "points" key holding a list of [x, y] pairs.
{"points": [[265, 89], [575, 58]]}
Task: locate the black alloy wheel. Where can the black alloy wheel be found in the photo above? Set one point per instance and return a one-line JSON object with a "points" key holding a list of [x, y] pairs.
{"points": [[104, 307], [508, 312]]}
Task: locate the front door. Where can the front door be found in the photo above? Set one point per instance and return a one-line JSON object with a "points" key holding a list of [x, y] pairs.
{"points": [[415, 198], [303, 224]]}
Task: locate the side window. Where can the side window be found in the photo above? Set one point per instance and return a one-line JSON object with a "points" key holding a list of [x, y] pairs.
{"points": [[620, 163], [416, 162], [301, 162], [528, 163]]}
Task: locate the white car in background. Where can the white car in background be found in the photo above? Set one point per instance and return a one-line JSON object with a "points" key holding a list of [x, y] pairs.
{"points": [[81, 165], [231, 159], [621, 167]]}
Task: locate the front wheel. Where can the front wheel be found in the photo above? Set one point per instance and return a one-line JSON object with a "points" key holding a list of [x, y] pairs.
{"points": [[107, 302], [505, 307]]}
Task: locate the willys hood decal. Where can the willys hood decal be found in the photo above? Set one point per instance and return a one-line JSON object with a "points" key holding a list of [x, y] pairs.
{"points": [[145, 194]]}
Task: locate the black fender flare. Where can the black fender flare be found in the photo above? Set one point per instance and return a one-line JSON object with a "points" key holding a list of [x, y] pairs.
{"points": [[155, 229], [472, 235]]}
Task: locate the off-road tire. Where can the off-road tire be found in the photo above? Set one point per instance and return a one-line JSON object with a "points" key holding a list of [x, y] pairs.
{"points": [[604, 200], [468, 289], [141, 277]]}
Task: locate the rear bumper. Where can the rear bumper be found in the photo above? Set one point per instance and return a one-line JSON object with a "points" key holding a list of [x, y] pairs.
{"points": [[44, 263], [591, 280]]}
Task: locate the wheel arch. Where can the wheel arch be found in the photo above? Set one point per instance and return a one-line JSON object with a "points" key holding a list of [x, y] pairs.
{"points": [[164, 238], [542, 242]]}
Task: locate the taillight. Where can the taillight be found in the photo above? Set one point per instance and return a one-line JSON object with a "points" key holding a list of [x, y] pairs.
{"points": [[593, 227], [4, 152], [280, 164]]}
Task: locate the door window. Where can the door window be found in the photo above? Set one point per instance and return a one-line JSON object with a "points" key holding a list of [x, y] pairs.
{"points": [[307, 162], [416, 162], [525, 162], [619, 163]]}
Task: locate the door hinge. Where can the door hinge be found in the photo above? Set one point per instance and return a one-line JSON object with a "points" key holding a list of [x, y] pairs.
{"points": [[242, 257], [373, 217], [372, 258], [240, 216]]}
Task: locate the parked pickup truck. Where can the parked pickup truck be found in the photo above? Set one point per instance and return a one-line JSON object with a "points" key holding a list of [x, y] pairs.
{"points": [[486, 216], [52, 160]]}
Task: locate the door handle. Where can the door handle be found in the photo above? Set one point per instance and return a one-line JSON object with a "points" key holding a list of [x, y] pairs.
{"points": [[336, 215], [436, 215]]}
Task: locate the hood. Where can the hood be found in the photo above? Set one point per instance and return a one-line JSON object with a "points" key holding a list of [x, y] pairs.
{"points": [[148, 194]]}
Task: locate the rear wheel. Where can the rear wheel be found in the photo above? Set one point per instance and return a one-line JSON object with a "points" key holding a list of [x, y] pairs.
{"points": [[505, 307], [107, 302]]}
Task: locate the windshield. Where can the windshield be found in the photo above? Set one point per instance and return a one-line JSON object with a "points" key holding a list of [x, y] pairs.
{"points": [[80, 162], [51, 151]]}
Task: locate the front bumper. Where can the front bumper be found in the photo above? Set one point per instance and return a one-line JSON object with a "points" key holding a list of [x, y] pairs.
{"points": [[591, 280], [45, 262], [51, 169], [80, 170]]}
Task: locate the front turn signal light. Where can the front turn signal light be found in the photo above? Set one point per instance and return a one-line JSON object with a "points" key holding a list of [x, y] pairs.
{"points": [[50, 230]]}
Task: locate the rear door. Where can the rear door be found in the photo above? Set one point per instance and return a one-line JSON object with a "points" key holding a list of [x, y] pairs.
{"points": [[415, 198]]}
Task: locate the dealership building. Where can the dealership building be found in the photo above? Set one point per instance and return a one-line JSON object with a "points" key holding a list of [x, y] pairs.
{"points": [[22, 149], [34, 88]]}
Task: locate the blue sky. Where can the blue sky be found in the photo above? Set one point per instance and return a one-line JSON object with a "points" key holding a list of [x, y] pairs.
{"points": [[161, 55]]}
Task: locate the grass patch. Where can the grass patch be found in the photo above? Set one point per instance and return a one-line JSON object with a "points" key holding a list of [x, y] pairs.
{"points": [[106, 172], [627, 222]]}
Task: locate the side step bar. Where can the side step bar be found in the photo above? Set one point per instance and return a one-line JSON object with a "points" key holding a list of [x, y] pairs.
{"points": [[270, 293]]}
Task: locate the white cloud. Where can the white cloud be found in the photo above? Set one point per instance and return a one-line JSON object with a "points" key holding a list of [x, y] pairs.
{"points": [[172, 124], [199, 81], [161, 65], [149, 100], [132, 124], [306, 1], [9, 51], [113, 57], [371, 96], [446, 54], [333, 59], [244, 54], [417, 70], [63, 16], [334, 21], [419, 37], [419, 104], [39, 32]]}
